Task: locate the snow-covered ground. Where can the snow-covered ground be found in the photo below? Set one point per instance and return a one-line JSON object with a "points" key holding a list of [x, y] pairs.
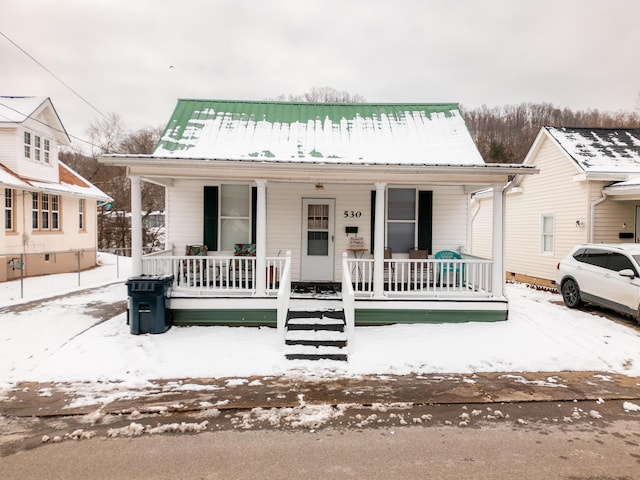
{"points": [[60, 341]]}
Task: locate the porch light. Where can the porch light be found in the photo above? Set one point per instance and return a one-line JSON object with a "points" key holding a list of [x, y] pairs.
{"points": [[319, 186]]}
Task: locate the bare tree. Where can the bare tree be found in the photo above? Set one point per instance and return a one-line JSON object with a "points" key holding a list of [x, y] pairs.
{"points": [[323, 95], [505, 134], [109, 135]]}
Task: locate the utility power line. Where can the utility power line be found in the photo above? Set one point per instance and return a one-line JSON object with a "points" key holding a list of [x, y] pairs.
{"points": [[53, 75], [45, 124]]}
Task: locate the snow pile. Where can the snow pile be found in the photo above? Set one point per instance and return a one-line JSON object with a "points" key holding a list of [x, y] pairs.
{"points": [[44, 344], [136, 429], [630, 407]]}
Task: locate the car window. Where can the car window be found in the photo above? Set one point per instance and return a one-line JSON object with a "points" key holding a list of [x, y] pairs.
{"points": [[620, 262], [597, 257], [580, 254]]}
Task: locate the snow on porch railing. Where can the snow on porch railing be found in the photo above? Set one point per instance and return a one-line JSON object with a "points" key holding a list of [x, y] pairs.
{"points": [[214, 273], [361, 273], [348, 303], [470, 275], [284, 295]]}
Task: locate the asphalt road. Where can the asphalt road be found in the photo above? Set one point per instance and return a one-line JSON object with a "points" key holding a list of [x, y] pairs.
{"points": [[497, 452]]}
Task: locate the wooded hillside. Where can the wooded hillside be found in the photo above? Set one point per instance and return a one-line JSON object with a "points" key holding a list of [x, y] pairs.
{"points": [[505, 134]]}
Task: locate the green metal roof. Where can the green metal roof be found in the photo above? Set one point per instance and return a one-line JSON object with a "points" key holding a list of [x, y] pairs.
{"points": [[314, 132]]}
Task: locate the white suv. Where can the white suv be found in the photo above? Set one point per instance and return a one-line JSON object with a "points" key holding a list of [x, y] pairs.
{"points": [[605, 275]]}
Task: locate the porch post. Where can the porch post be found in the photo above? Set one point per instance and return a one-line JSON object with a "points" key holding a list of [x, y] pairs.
{"points": [[498, 273], [261, 238], [378, 235], [136, 226]]}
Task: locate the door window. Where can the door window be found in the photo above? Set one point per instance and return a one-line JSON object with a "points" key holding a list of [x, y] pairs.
{"points": [[318, 230]]}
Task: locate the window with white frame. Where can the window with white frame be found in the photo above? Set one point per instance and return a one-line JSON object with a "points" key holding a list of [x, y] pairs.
{"points": [[81, 214], [37, 147], [27, 144], [35, 211], [55, 212], [8, 209], [45, 150], [401, 219], [45, 211], [547, 233], [235, 215]]}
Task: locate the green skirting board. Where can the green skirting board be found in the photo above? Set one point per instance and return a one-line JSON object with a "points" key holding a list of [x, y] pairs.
{"points": [[268, 317]]}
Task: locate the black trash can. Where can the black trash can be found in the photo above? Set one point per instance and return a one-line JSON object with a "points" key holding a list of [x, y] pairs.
{"points": [[148, 312]]}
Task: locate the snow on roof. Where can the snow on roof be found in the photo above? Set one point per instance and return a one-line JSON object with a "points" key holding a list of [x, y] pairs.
{"points": [[601, 150], [427, 134], [70, 184], [8, 179], [18, 109]]}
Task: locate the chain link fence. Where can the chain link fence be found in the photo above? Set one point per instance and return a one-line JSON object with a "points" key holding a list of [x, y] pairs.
{"points": [[89, 265]]}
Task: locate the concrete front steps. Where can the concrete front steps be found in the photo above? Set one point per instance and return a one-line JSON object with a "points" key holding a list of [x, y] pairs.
{"points": [[315, 335]]}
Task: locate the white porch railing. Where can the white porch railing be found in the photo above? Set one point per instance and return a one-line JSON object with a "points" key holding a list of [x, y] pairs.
{"points": [[284, 295], [214, 273], [348, 303], [471, 275]]}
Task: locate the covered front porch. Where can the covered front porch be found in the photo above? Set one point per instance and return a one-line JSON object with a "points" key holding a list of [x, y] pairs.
{"points": [[370, 198], [371, 285]]}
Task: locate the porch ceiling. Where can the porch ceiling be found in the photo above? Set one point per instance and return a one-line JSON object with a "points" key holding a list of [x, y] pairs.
{"points": [[164, 170]]}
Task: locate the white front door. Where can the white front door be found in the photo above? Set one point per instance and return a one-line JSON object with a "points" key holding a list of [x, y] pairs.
{"points": [[317, 259]]}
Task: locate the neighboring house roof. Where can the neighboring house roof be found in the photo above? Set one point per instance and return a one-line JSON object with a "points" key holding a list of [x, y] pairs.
{"points": [[70, 183], [600, 150], [18, 109], [325, 133], [8, 179]]}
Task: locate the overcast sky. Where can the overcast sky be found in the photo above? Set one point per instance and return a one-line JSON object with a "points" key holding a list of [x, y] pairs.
{"points": [[137, 57]]}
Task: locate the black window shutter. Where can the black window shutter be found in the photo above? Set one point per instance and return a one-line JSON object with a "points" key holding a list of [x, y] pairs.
{"points": [[211, 218], [254, 207], [373, 218], [425, 228]]}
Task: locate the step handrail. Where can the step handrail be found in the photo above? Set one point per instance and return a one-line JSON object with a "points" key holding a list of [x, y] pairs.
{"points": [[348, 303], [284, 296]]}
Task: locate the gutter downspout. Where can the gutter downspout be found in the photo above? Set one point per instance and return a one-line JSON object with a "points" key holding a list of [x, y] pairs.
{"points": [[592, 216], [473, 205]]}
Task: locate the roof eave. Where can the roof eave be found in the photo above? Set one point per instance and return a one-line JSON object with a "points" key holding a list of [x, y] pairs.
{"points": [[150, 160]]}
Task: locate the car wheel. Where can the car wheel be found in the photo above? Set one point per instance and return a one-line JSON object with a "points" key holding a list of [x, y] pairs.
{"points": [[571, 294]]}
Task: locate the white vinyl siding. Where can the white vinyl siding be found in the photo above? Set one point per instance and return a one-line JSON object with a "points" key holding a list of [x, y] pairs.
{"points": [[554, 189], [612, 217], [482, 227], [284, 210]]}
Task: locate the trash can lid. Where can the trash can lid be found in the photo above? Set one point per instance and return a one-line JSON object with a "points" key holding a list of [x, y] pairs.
{"points": [[149, 278]]}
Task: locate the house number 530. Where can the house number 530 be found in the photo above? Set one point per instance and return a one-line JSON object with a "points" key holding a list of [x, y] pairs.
{"points": [[352, 214]]}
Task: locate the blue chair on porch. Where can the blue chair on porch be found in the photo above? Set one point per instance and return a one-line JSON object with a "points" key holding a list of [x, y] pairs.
{"points": [[450, 272]]}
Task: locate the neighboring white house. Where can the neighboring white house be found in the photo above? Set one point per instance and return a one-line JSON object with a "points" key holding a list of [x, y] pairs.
{"points": [[333, 184], [588, 190], [49, 211]]}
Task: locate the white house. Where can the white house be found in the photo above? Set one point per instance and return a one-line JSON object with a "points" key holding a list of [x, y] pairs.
{"points": [[49, 211], [588, 190], [344, 200]]}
